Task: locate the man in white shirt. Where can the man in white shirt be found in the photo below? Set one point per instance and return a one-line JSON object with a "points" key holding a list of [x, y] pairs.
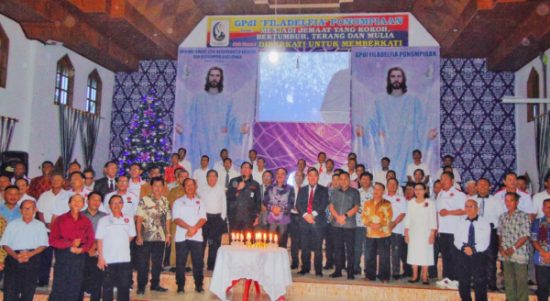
{"points": [[200, 174], [189, 215], [61, 205], [490, 208], [321, 162], [470, 188], [224, 153], [131, 201], [136, 181], [226, 173], [450, 208], [352, 164], [89, 179], [325, 177], [252, 156], [525, 201], [418, 164], [448, 162], [258, 170], [380, 174], [24, 239], [45, 206], [182, 152], [215, 203], [471, 239], [398, 246], [23, 185], [300, 167], [365, 193], [114, 233], [538, 199]]}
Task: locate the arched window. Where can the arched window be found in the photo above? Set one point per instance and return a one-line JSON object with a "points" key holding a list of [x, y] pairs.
{"points": [[93, 93], [64, 82], [533, 91], [4, 51]]}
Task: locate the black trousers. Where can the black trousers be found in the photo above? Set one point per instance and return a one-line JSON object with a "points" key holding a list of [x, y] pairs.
{"points": [[329, 246], [432, 270], [295, 241], [150, 251], [182, 251], [311, 236], [68, 274], [45, 265], [378, 247], [449, 255], [241, 225], [473, 269], [344, 243], [93, 279], [117, 275], [492, 257], [20, 279], [543, 281], [212, 234]]}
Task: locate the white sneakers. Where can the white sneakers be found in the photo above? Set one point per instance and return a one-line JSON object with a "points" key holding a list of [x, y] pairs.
{"points": [[447, 283]]}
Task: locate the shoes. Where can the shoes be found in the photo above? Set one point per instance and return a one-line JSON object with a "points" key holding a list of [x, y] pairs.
{"points": [[396, 277], [293, 266], [159, 289], [425, 282], [335, 275], [320, 275], [199, 289], [447, 283], [42, 284], [188, 270], [413, 281], [180, 290], [351, 277], [493, 289], [140, 291], [328, 267], [303, 272]]}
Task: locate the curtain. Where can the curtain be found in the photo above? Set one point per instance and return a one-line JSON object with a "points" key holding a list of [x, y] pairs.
{"points": [[7, 126], [69, 122], [542, 135], [89, 129]]}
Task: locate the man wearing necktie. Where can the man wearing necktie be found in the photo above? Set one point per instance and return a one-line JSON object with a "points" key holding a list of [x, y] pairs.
{"points": [[107, 184], [311, 204], [471, 238]]}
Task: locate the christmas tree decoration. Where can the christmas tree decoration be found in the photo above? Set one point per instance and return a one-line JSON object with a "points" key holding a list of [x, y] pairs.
{"points": [[146, 142]]}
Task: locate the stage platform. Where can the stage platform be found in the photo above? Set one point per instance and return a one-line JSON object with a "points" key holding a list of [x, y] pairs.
{"points": [[309, 287]]}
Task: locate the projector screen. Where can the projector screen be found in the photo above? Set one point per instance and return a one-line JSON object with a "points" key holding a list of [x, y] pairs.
{"points": [[304, 87]]}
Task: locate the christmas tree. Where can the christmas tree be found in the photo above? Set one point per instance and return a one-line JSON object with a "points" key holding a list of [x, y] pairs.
{"points": [[147, 141]]}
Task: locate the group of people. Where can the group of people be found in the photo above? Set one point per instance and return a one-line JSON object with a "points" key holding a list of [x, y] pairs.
{"points": [[350, 219]]}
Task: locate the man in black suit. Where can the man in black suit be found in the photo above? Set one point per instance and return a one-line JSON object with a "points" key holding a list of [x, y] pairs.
{"points": [[107, 184], [311, 204]]}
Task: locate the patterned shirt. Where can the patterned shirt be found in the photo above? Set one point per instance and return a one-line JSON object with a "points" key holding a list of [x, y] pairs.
{"points": [[154, 214], [381, 214], [3, 224], [510, 230], [540, 232], [365, 196], [282, 197], [38, 186]]}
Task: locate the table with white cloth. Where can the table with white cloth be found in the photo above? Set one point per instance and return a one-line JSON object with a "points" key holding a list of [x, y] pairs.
{"points": [[270, 267]]}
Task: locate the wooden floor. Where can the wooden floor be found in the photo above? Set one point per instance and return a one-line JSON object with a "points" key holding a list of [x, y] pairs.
{"points": [[305, 288]]}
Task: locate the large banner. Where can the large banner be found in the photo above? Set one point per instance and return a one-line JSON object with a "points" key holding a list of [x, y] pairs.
{"points": [[309, 32], [395, 106], [215, 102]]}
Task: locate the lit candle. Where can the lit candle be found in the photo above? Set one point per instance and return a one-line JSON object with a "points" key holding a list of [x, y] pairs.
{"points": [[232, 236], [276, 239], [248, 236], [270, 237], [265, 237], [241, 238], [258, 237]]}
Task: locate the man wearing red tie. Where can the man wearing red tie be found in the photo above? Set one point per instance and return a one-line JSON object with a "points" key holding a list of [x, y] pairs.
{"points": [[311, 204]]}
